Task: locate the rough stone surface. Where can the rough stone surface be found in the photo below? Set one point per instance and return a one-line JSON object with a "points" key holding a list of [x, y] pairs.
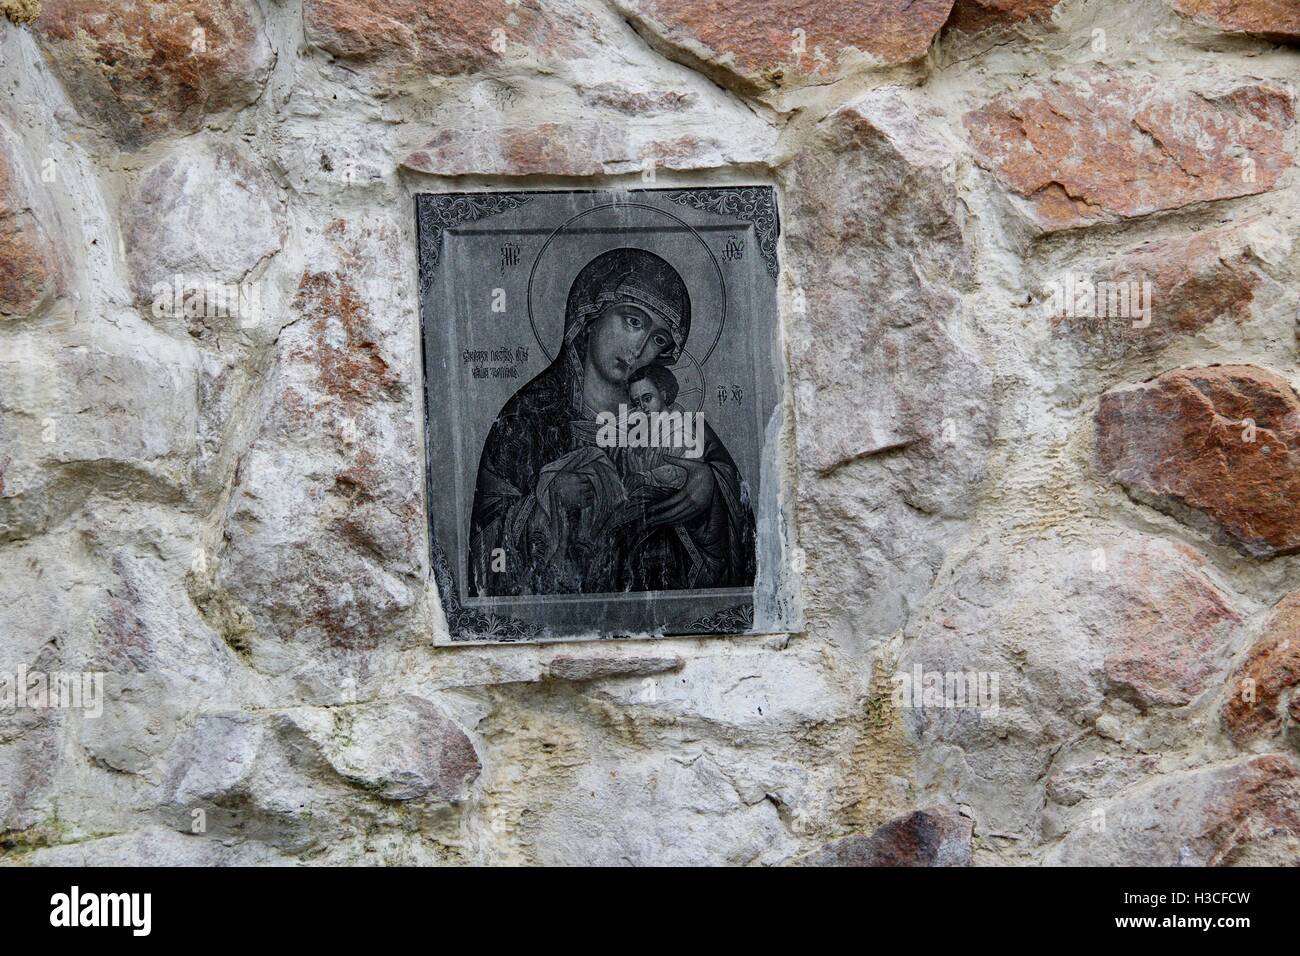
{"points": [[139, 443], [404, 749], [1196, 280], [764, 49], [971, 16], [1193, 282], [1271, 19], [1218, 446], [140, 69], [30, 768], [879, 257], [576, 149], [567, 667], [31, 269], [878, 292], [1267, 677], [1102, 147], [1242, 813], [443, 38], [1088, 775], [154, 846], [222, 514], [1075, 630], [938, 836], [21, 11], [323, 508], [205, 216]]}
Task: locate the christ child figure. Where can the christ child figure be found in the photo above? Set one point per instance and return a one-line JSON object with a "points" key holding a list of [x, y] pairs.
{"points": [[650, 473]]}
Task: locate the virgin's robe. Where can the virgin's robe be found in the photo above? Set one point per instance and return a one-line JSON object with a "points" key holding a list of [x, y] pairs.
{"points": [[523, 540]]}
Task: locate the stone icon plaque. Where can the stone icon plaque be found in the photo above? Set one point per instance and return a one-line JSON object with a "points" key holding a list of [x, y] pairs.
{"points": [[604, 413]]}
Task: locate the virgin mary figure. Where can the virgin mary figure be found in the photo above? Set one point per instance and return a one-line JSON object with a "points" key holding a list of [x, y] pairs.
{"points": [[552, 514]]}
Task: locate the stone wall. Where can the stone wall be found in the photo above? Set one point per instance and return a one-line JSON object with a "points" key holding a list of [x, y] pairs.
{"points": [[221, 510]]}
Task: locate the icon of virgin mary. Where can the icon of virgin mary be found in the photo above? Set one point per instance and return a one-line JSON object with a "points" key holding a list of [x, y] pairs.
{"points": [[553, 510]]}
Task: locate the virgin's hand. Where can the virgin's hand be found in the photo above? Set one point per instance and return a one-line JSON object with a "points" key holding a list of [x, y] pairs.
{"points": [[694, 498]]}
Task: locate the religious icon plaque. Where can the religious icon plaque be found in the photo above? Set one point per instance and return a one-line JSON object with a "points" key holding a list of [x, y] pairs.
{"points": [[604, 413]]}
